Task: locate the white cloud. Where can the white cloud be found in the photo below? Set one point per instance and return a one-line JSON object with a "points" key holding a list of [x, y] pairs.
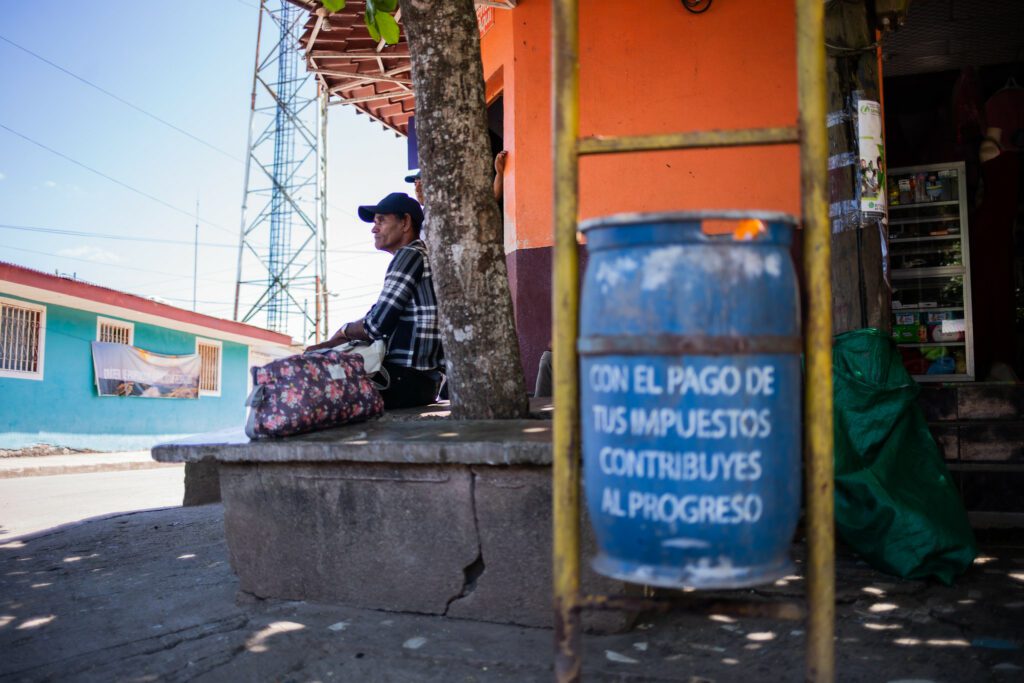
{"points": [[90, 253], [50, 183]]}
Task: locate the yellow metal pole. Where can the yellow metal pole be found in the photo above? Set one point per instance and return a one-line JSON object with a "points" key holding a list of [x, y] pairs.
{"points": [[810, 56], [697, 139], [565, 316]]}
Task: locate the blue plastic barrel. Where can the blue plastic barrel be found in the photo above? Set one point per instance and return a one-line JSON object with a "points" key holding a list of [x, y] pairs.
{"points": [[690, 399]]}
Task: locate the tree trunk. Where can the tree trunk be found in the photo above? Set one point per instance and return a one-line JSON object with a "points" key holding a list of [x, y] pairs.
{"points": [[463, 223]]}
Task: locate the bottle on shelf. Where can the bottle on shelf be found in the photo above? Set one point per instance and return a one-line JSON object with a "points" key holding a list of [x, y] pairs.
{"points": [[906, 189]]}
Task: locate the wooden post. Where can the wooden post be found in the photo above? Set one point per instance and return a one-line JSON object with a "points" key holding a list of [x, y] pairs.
{"points": [[860, 296]]}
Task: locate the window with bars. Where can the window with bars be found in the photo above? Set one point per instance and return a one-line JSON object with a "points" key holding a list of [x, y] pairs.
{"points": [[209, 367], [22, 331], [116, 331]]}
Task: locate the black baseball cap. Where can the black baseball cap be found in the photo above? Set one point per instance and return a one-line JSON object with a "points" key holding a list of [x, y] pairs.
{"points": [[413, 177], [398, 203]]}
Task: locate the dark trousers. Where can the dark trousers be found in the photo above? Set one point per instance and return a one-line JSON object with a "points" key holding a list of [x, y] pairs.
{"points": [[409, 388]]}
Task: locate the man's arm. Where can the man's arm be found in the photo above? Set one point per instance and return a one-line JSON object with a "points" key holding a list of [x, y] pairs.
{"points": [[354, 330], [404, 272], [499, 175], [338, 339], [357, 330], [382, 319]]}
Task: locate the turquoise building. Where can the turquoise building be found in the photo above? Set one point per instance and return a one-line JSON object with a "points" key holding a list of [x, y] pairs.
{"points": [[48, 389]]}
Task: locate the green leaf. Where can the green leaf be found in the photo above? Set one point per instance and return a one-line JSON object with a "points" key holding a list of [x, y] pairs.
{"points": [[371, 26], [386, 5], [388, 27], [371, 7], [334, 5]]}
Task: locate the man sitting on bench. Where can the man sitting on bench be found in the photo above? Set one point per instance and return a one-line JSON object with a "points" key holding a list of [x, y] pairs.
{"points": [[405, 314]]}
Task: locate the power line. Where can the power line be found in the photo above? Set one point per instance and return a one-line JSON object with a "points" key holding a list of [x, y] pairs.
{"points": [[144, 112], [151, 115], [206, 278], [365, 297], [107, 236], [198, 301], [190, 214], [120, 99], [157, 240], [101, 263], [347, 212], [362, 242], [369, 288]]}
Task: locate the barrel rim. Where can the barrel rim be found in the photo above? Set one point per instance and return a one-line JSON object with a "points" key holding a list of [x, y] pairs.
{"points": [[637, 218], [682, 344]]}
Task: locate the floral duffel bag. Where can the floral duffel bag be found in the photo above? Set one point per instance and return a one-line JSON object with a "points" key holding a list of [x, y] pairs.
{"points": [[308, 392]]}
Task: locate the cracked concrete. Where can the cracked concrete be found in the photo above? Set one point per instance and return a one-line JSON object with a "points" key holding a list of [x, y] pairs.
{"points": [[443, 539], [150, 596], [512, 509], [362, 534], [475, 569], [458, 512]]}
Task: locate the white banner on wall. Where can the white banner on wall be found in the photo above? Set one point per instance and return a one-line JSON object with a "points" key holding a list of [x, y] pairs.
{"points": [[123, 370]]}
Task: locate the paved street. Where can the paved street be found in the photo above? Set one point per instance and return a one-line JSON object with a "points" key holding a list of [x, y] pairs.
{"points": [[31, 504], [151, 597]]}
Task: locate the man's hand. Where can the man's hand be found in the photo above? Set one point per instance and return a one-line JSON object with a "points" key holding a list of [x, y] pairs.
{"points": [[338, 339], [499, 175]]}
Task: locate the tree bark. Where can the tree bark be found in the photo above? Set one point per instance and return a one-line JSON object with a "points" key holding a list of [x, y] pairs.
{"points": [[463, 224]]}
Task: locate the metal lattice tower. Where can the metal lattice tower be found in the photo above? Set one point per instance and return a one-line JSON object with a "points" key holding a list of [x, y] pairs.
{"points": [[282, 249]]}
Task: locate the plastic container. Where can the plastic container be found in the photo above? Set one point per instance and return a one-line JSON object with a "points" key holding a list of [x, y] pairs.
{"points": [[690, 388]]}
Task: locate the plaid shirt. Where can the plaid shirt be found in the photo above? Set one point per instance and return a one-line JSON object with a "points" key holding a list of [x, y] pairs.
{"points": [[406, 311]]}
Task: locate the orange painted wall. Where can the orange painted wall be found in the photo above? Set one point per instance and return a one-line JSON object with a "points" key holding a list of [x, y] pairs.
{"points": [[648, 67], [497, 53]]}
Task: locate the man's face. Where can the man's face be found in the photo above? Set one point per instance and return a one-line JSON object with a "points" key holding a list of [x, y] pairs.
{"points": [[419, 191], [390, 232]]}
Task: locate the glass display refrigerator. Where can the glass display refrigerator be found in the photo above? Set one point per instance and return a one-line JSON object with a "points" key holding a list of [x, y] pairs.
{"points": [[929, 263]]}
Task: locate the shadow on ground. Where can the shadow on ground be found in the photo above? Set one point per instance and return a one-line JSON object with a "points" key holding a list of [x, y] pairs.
{"points": [[150, 596]]}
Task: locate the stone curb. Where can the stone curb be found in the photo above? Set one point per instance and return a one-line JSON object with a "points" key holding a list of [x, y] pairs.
{"points": [[50, 470]]}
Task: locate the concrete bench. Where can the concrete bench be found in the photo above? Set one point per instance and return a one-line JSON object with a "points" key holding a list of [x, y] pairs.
{"points": [[412, 513]]}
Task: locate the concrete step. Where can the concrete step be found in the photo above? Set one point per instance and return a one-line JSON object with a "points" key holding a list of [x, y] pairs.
{"points": [[980, 429], [974, 401]]}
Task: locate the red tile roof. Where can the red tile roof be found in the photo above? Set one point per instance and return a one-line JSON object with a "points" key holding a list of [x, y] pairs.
{"points": [[370, 75], [28, 277]]}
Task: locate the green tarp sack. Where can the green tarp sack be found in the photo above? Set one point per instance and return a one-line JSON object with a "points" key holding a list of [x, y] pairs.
{"points": [[896, 504]]}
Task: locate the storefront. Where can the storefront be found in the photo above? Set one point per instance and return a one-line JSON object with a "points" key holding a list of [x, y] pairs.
{"points": [[954, 121]]}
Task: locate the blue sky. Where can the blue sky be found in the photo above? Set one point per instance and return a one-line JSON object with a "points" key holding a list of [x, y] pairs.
{"points": [[190, 64]]}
